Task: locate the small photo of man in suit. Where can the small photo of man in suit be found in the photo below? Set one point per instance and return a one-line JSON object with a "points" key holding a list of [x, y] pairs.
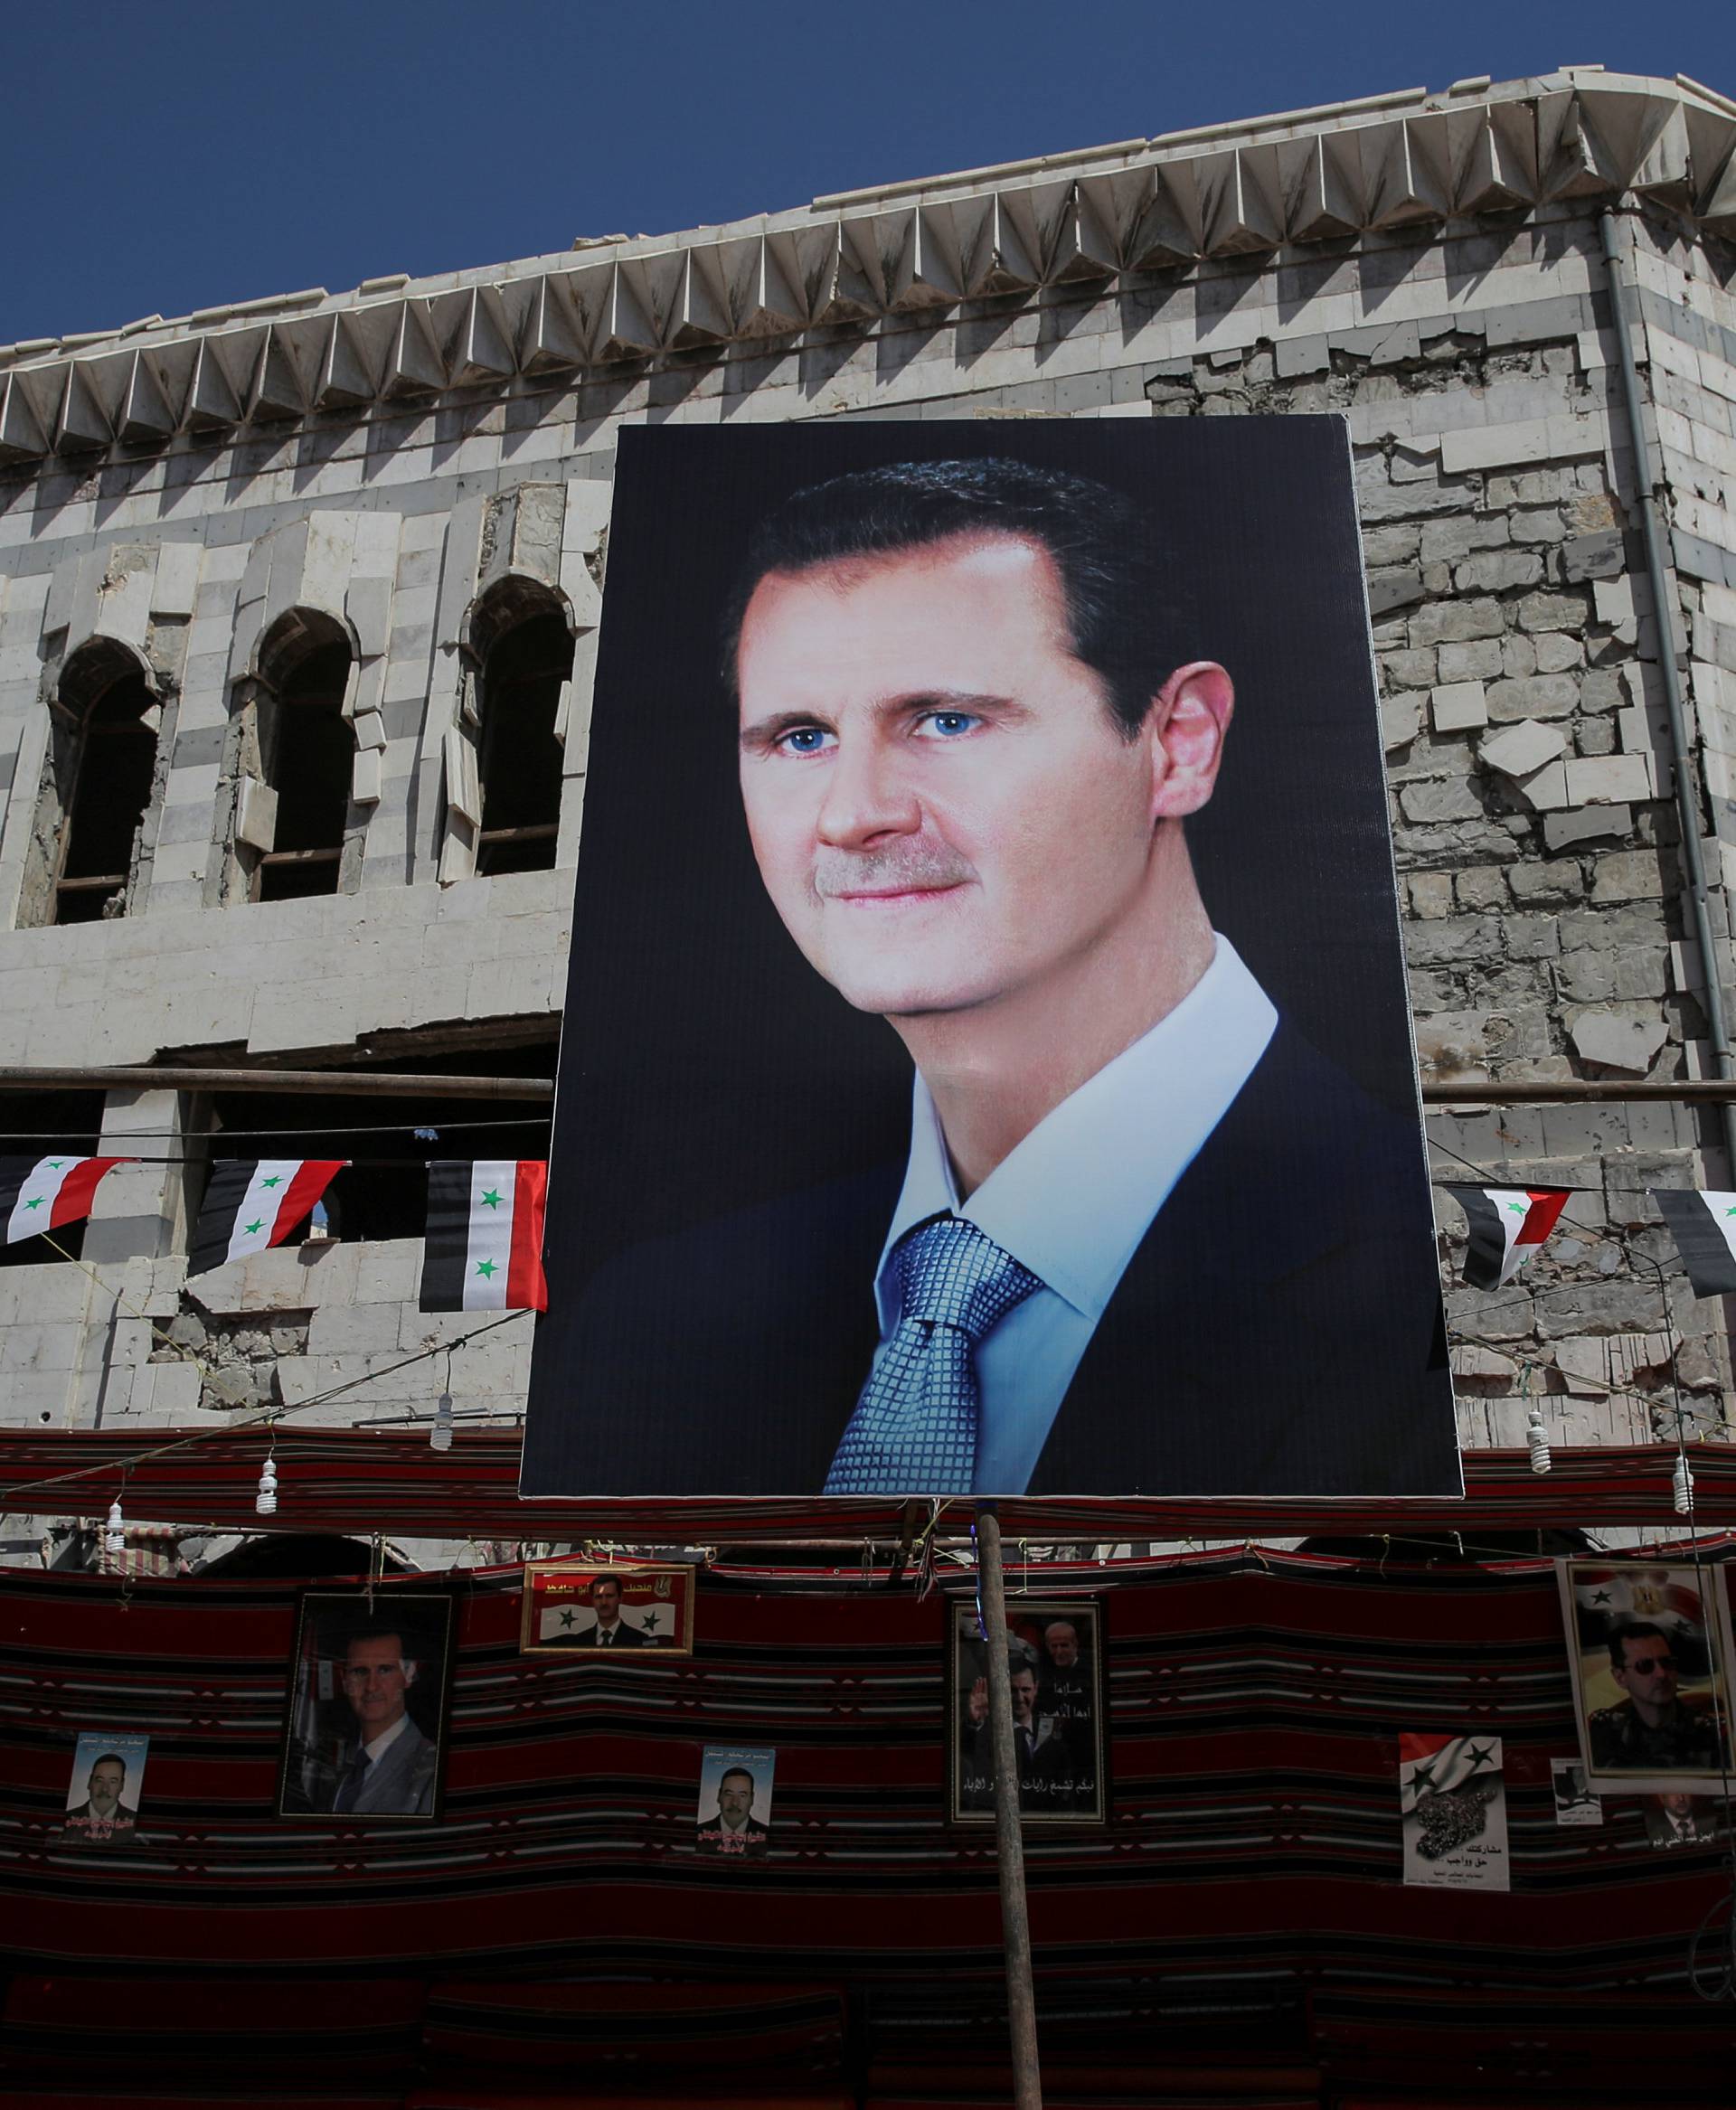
{"points": [[973, 724], [735, 1803], [368, 1710], [110, 1771]]}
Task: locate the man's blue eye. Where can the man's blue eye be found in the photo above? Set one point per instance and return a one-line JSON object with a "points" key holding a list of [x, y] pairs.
{"points": [[949, 724], [805, 739]]}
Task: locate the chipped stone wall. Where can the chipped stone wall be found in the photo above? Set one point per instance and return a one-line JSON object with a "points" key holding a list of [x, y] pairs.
{"points": [[1536, 841]]}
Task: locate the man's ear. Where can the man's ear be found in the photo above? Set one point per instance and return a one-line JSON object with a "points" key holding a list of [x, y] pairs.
{"points": [[1191, 714]]}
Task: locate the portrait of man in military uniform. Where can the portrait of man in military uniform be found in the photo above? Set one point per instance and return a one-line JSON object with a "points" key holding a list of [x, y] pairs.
{"points": [[1651, 1680]]}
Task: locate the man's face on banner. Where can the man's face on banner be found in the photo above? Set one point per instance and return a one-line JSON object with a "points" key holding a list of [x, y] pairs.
{"points": [[376, 1682], [943, 810]]}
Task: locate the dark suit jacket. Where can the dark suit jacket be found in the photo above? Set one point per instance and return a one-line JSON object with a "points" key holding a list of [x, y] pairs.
{"points": [[626, 1636], [1277, 1332]]}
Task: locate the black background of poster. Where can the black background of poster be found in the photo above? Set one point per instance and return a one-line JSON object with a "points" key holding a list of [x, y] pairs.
{"points": [[705, 1067]]}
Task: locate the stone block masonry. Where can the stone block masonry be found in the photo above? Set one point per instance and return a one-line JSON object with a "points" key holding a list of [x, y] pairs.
{"points": [[1462, 332]]}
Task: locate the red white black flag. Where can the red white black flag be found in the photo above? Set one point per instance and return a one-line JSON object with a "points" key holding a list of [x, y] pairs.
{"points": [[1508, 1225], [255, 1203], [1703, 1226], [40, 1194], [484, 1250]]}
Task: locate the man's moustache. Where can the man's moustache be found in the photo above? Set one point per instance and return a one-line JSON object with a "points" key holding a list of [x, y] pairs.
{"points": [[910, 868]]}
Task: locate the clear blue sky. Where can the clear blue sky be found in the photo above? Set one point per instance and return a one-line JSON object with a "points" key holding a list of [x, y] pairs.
{"points": [[160, 156]]}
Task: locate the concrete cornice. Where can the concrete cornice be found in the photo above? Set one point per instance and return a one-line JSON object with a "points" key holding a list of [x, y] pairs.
{"points": [[1409, 160]]}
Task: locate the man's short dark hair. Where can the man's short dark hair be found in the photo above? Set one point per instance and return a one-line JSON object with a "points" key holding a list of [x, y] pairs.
{"points": [[1121, 596], [597, 1582], [740, 1773], [111, 1758], [384, 1630], [1621, 1635]]}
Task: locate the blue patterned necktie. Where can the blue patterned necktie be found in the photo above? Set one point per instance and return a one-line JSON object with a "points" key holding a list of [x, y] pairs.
{"points": [[914, 1429]]}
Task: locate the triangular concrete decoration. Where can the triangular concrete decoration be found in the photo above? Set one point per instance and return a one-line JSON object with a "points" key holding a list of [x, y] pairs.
{"points": [[551, 329], [308, 340], [222, 381], [1109, 210], [837, 286], [107, 376], [83, 422], [477, 337], [1320, 192], [687, 299], [1066, 252], [24, 422], [1566, 160], [145, 413], [1712, 141], [761, 278], [618, 324], [279, 390], [1621, 128], [413, 364], [999, 249], [1666, 169], [1170, 229], [1240, 219], [1409, 182], [171, 369], [1493, 154], [921, 250], [349, 374]]}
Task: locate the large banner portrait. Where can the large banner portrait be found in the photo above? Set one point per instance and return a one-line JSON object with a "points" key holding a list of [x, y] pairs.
{"points": [[365, 1742], [987, 1063], [1649, 1649], [1054, 1649]]}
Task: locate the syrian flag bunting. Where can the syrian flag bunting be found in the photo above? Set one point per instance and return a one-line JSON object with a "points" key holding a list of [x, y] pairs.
{"points": [[255, 1203], [484, 1250], [1703, 1226], [42, 1193], [1508, 1225]]}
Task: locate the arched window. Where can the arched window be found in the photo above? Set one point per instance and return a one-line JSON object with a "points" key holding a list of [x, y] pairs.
{"points": [[105, 764], [527, 652], [306, 753]]}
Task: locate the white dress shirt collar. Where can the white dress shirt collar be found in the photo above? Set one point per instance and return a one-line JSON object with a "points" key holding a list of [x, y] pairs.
{"points": [[377, 1749], [1072, 1201]]}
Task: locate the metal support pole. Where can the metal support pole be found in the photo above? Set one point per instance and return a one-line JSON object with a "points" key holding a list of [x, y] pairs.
{"points": [[1009, 1841], [1652, 533]]}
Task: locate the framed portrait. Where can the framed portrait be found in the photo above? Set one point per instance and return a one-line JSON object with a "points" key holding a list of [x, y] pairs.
{"points": [[1648, 1646], [735, 1816], [1677, 1818], [102, 1796], [573, 1607], [364, 1738], [1054, 1649], [1110, 689]]}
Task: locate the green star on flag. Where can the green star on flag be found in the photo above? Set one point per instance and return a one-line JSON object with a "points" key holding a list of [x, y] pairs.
{"points": [[491, 1200], [35, 1202], [275, 1180], [258, 1224], [486, 1269]]}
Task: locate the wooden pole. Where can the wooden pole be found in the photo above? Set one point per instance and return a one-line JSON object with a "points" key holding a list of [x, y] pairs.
{"points": [[1009, 1841]]}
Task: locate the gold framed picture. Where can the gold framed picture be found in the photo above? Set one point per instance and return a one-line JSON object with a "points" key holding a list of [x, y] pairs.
{"points": [[578, 1607]]}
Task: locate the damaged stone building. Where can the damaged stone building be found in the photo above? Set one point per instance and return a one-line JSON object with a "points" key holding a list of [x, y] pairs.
{"points": [[299, 598]]}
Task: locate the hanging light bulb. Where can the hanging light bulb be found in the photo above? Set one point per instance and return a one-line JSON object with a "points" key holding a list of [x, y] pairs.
{"points": [[439, 1436], [114, 1536], [265, 1501], [1682, 1487], [1537, 1442]]}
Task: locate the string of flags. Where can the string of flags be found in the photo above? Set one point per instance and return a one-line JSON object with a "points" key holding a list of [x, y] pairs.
{"points": [[1510, 1225], [483, 1242]]}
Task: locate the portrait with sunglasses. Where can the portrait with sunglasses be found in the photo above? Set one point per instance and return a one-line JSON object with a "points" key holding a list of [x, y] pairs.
{"points": [[1649, 1651]]}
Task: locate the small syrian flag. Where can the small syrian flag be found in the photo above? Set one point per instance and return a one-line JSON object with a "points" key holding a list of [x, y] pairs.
{"points": [[1508, 1225], [484, 1250], [1703, 1226], [40, 1194], [255, 1203]]}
